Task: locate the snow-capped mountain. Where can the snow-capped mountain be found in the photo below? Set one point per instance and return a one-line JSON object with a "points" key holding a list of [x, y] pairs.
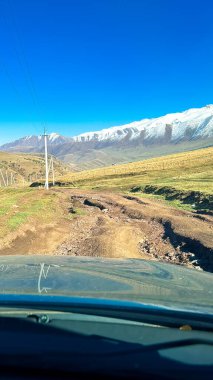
{"points": [[34, 143], [193, 123], [190, 129]]}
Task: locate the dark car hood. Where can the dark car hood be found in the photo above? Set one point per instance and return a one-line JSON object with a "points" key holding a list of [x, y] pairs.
{"points": [[137, 280]]}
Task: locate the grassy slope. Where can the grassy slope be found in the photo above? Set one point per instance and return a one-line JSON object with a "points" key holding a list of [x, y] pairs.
{"points": [[95, 158], [24, 206], [184, 171], [18, 205], [26, 209], [27, 165]]}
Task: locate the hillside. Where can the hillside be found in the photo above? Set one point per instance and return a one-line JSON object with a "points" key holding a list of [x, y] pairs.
{"points": [[178, 176], [100, 158], [172, 133], [187, 171], [25, 167]]}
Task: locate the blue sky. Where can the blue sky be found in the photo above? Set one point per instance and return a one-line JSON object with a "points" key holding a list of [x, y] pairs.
{"points": [[81, 65]]}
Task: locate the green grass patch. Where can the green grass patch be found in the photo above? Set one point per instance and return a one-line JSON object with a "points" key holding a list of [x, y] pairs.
{"points": [[20, 206], [174, 203], [17, 220], [76, 212]]}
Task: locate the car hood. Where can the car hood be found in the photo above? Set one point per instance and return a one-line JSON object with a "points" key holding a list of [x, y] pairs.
{"points": [[148, 282]]}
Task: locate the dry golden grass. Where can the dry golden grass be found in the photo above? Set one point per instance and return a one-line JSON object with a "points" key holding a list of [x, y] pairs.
{"points": [[27, 167], [185, 171]]}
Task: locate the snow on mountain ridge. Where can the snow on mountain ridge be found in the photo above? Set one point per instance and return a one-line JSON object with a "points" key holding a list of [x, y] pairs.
{"points": [[51, 137], [192, 124], [154, 128], [34, 143]]}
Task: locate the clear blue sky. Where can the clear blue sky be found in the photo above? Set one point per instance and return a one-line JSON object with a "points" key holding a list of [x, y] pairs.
{"points": [[82, 65]]}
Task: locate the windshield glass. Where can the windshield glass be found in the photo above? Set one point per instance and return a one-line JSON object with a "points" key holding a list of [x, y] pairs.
{"points": [[106, 151]]}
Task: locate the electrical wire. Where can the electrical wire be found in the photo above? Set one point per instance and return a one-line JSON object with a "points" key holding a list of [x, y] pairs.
{"points": [[23, 62]]}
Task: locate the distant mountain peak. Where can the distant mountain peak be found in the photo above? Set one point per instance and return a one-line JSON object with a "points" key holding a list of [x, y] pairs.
{"points": [[33, 143], [53, 136], [193, 125]]}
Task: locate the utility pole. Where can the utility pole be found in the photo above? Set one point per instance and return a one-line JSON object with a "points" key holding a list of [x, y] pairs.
{"points": [[51, 169], [3, 178], [53, 173], [7, 178], [46, 186]]}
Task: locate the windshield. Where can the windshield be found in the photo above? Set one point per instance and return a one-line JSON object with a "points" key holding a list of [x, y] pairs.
{"points": [[106, 151]]}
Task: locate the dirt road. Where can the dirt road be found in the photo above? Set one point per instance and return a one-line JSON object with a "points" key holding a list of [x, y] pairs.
{"points": [[115, 225]]}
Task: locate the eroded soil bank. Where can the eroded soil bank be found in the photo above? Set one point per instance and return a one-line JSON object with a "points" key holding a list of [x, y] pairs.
{"points": [[118, 225]]}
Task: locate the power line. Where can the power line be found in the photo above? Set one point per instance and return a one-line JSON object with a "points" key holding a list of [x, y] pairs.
{"points": [[23, 62], [20, 54], [15, 89], [10, 78], [25, 65]]}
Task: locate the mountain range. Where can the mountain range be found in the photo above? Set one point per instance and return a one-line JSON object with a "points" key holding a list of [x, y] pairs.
{"points": [[191, 129]]}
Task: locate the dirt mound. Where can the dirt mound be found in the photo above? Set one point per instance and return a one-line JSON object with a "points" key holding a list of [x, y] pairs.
{"points": [[199, 200]]}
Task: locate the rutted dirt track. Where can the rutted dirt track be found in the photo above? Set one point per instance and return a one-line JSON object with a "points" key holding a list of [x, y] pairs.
{"points": [[122, 226], [119, 226]]}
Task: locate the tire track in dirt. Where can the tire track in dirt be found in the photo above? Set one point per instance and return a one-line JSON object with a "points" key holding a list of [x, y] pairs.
{"points": [[121, 226], [125, 226]]}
